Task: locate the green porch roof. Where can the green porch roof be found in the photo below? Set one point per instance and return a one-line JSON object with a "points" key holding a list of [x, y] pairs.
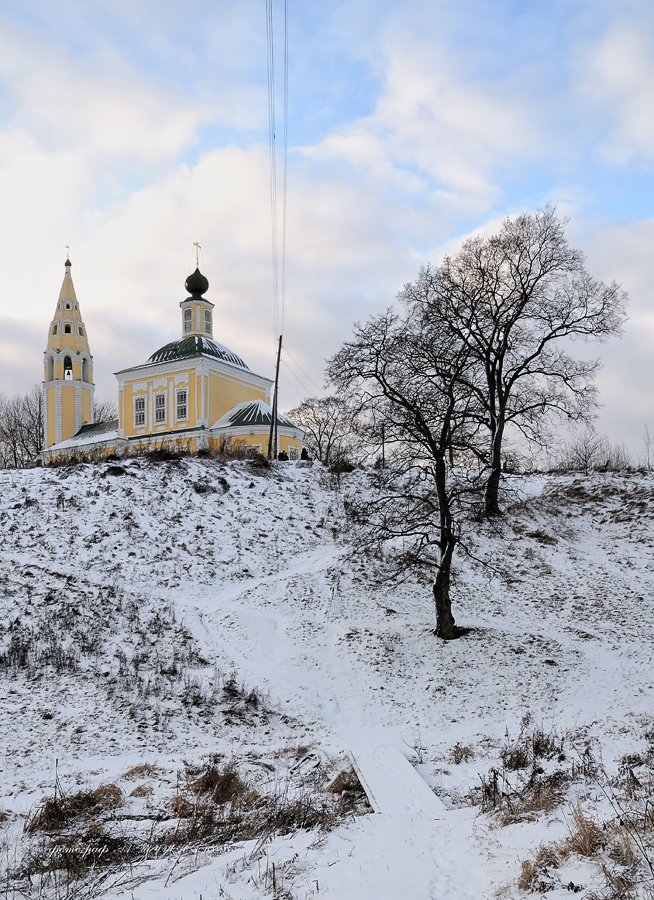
{"points": [[251, 413]]}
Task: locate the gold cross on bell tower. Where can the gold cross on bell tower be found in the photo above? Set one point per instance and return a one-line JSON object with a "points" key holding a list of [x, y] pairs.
{"points": [[197, 254], [67, 252]]}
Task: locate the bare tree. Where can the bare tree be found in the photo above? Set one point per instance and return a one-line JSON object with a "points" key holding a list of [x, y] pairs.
{"points": [[327, 426], [589, 451], [413, 377], [647, 455], [21, 428], [511, 299], [105, 410], [584, 452]]}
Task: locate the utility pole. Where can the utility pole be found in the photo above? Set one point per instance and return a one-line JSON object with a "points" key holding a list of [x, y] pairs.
{"points": [[272, 438]]}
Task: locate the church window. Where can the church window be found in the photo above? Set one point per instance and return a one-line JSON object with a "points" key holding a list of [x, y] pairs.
{"points": [[50, 369], [207, 321], [68, 368], [188, 321], [181, 405], [81, 330], [160, 407], [68, 306], [85, 370], [67, 329], [139, 411], [54, 328], [292, 452]]}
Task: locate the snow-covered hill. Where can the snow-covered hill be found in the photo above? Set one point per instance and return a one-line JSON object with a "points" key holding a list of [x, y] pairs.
{"points": [[163, 618]]}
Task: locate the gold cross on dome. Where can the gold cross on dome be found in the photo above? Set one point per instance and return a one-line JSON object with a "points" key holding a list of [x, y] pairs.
{"points": [[67, 252], [197, 254]]}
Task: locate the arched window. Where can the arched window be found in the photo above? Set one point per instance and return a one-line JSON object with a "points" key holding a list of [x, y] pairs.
{"points": [[50, 369], [207, 321], [81, 330], [68, 368], [54, 328], [68, 306], [188, 321], [67, 329], [85, 370]]}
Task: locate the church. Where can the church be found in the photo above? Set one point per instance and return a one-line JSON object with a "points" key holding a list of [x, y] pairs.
{"points": [[193, 394]]}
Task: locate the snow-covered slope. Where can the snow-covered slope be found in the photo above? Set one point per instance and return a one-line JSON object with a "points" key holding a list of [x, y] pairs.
{"points": [[162, 612]]}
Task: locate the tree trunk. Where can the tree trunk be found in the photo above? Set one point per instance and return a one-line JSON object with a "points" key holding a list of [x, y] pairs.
{"points": [[492, 491], [492, 503], [445, 627]]}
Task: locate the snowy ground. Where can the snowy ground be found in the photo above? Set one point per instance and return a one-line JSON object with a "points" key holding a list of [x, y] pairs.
{"points": [[132, 595]]}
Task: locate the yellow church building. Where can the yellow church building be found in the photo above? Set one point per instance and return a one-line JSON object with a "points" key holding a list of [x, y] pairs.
{"points": [[193, 394]]}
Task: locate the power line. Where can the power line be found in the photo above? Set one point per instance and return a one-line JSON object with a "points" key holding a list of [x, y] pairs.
{"points": [[319, 389], [272, 155], [278, 257], [285, 161], [287, 369]]}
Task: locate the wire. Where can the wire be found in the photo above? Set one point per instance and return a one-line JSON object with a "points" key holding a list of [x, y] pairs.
{"points": [[285, 181], [272, 155], [278, 257], [290, 355], [289, 371]]}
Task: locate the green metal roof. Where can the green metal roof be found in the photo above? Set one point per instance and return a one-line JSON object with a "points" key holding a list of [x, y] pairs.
{"points": [[251, 412], [195, 345], [87, 431]]}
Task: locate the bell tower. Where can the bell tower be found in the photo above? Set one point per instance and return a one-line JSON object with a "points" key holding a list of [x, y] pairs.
{"points": [[68, 369]]}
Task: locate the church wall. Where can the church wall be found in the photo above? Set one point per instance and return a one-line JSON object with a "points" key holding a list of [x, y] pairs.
{"points": [[225, 393], [286, 443], [148, 388], [86, 407], [68, 424], [50, 437]]}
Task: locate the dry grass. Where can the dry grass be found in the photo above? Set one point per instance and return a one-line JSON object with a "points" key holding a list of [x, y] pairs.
{"points": [[607, 844], [143, 770], [55, 813], [213, 806], [462, 753], [585, 837]]}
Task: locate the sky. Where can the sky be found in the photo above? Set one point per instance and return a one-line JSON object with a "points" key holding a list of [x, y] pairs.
{"points": [[130, 130]]}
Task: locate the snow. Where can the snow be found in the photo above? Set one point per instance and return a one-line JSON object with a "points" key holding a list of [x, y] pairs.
{"points": [[229, 569]]}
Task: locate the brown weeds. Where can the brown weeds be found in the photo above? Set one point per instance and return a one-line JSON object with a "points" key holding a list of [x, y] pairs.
{"points": [[55, 813]]}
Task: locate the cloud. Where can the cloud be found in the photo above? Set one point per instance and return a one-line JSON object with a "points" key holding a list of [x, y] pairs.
{"points": [[103, 113], [431, 130], [106, 146], [618, 82]]}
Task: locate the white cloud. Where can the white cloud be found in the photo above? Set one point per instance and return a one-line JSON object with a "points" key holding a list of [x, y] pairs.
{"points": [[102, 112], [430, 126], [618, 80]]}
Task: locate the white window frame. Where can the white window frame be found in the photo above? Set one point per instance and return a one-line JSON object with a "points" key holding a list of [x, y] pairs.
{"points": [[140, 408], [160, 408], [181, 404], [207, 321], [188, 320], [292, 453]]}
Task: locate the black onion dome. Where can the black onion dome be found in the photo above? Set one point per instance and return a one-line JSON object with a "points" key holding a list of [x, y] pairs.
{"points": [[68, 263], [196, 283]]}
